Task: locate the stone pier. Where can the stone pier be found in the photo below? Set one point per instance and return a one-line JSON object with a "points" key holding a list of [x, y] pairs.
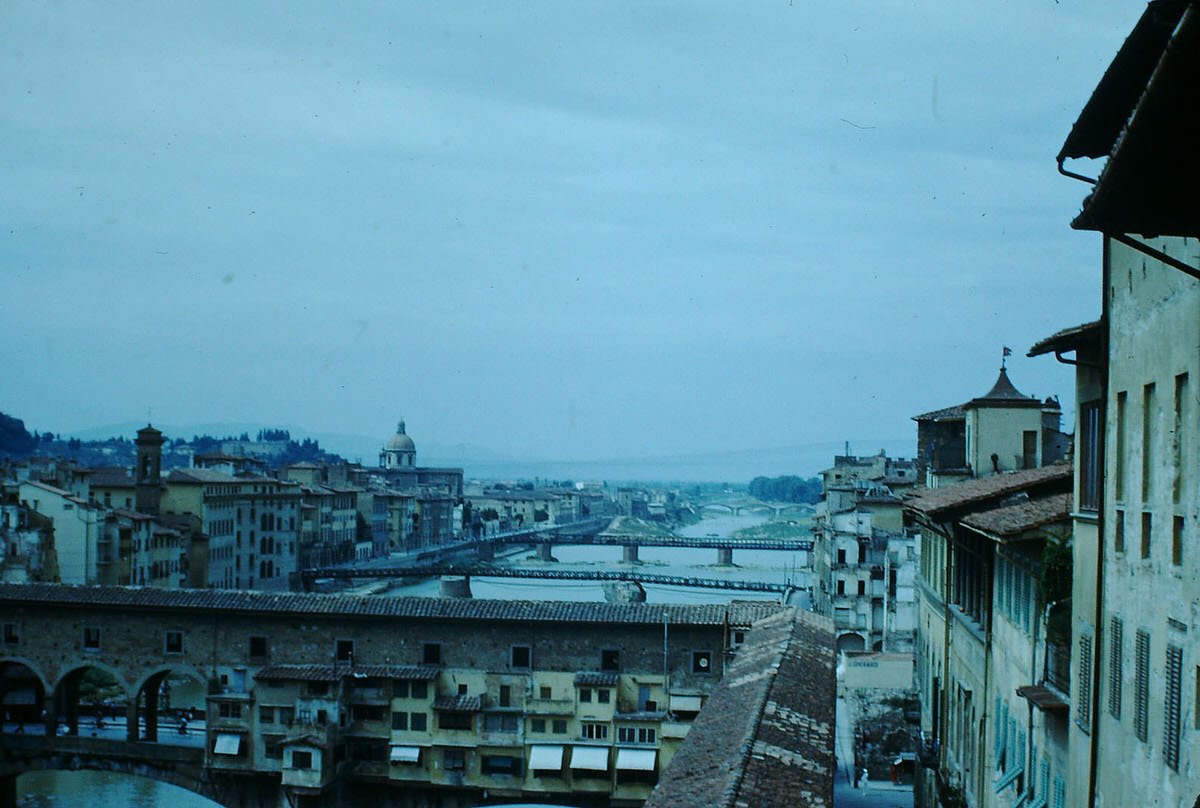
{"points": [[629, 554], [725, 556], [544, 552]]}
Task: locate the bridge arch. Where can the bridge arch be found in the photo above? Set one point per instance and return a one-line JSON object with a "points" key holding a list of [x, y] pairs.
{"points": [[187, 778], [850, 641], [22, 694], [719, 506], [31, 665], [72, 691], [156, 692]]}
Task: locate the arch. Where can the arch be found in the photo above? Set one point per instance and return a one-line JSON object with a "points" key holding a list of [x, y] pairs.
{"points": [[67, 698], [79, 667], [850, 642], [153, 698], [189, 778], [719, 506], [32, 665], [182, 668], [22, 695]]}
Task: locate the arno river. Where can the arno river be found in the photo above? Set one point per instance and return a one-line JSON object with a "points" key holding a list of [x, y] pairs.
{"points": [[55, 789]]}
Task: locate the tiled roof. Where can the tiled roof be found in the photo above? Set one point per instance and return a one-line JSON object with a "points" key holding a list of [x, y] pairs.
{"points": [[740, 613], [458, 704], [956, 413], [110, 477], [596, 678], [933, 501], [1069, 339], [330, 673], [1012, 520], [200, 476], [765, 735]]}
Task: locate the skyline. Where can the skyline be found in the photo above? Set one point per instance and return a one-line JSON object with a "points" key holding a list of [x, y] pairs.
{"points": [[647, 232]]}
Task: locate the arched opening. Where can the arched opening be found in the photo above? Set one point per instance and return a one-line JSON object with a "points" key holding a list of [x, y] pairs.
{"points": [[22, 696], [91, 695], [850, 642], [174, 698], [47, 788]]}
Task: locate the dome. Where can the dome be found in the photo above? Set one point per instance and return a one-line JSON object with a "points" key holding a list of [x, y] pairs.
{"points": [[400, 442]]}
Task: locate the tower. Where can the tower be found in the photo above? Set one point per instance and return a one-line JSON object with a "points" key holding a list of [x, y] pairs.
{"points": [[148, 474]]}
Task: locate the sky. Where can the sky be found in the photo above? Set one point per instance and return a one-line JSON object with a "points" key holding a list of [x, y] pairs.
{"points": [[556, 230]]}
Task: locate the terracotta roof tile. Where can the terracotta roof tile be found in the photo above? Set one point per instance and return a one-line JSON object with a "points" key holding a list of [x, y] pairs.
{"points": [[458, 704], [330, 673], [1014, 519], [934, 501]]}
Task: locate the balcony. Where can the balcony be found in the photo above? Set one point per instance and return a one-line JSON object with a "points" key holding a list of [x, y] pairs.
{"points": [[1058, 667]]}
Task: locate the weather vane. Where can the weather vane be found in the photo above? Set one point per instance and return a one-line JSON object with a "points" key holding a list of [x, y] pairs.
{"points": [[1007, 352]]}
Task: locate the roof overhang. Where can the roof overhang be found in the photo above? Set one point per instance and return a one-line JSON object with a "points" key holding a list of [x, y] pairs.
{"points": [[1070, 339]]}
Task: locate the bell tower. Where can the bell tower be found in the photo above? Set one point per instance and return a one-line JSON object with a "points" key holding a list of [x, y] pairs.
{"points": [[148, 474]]}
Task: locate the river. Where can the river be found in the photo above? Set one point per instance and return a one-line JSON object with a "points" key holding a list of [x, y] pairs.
{"points": [[63, 789]]}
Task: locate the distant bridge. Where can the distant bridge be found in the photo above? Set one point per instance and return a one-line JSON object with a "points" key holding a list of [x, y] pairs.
{"points": [[482, 571], [756, 506], [639, 540]]}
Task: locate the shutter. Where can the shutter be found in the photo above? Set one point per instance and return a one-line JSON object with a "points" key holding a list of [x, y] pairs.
{"points": [[1084, 684], [1171, 707], [1116, 638], [1060, 791], [1141, 692]]}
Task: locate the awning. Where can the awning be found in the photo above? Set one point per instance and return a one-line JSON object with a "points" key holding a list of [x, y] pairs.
{"points": [[590, 758], [638, 760], [546, 757], [1005, 781], [685, 704], [405, 754], [227, 744]]}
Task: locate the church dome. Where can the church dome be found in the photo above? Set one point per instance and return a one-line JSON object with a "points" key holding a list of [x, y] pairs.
{"points": [[400, 442]]}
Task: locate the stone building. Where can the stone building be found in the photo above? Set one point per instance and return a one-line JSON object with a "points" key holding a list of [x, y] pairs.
{"points": [[864, 560], [1135, 661]]}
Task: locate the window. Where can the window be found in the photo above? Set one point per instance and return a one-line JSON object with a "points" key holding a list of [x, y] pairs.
{"points": [[646, 735], [1177, 541], [500, 764], [1171, 706], [400, 721], [12, 634], [1083, 710], [419, 722], [344, 651], [258, 649], [462, 690], [505, 695], [520, 656], [1141, 683], [1148, 460], [1119, 531], [603, 696], [1177, 456], [431, 654], [1147, 525], [287, 715], [559, 726], [1029, 449], [862, 587], [229, 709], [455, 721], [545, 692], [266, 715], [585, 695], [1119, 471], [272, 750], [301, 760], [454, 760], [500, 722], [537, 725], [593, 731], [1115, 641], [841, 586], [400, 689], [1091, 478], [701, 661], [420, 690], [610, 660], [739, 637], [625, 734], [91, 638], [173, 642], [841, 556]]}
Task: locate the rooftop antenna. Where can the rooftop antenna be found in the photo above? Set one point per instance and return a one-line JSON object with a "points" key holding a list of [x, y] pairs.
{"points": [[847, 448]]}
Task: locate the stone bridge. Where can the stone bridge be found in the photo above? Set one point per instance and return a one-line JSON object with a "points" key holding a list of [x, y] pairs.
{"points": [[289, 696], [756, 506]]}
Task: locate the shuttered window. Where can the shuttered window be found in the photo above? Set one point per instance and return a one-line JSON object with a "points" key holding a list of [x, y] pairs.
{"points": [[1141, 687], [1060, 792], [1083, 685], [1116, 638], [1090, 455], [1171, 707]]}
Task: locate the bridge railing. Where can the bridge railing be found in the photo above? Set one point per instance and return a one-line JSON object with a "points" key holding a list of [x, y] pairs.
{"points": [[103, 747]]}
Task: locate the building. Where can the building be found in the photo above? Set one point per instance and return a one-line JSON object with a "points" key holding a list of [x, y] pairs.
{"points": [[1002, 430], [1135, 660], [991, 568], [864, 560]]}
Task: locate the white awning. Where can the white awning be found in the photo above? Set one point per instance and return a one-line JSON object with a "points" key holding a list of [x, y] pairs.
{"points": [[227, 744], [546, 757], [637, 760], [685, 704], [591, 758], [406, 754]]}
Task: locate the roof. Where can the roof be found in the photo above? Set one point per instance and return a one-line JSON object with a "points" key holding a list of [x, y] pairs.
{"points": [[741, 613], [197, 475], [935, 501], [1013, 520], [1069, 339], [1142, 115], [331, 673], [1043, 698], [956, 413], [765, 736], [110, 477], [458, 704], [1003, 394], [596, 678]]}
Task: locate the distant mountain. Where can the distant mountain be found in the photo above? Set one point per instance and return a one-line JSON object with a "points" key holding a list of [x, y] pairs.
{"points": [[480, 462]]}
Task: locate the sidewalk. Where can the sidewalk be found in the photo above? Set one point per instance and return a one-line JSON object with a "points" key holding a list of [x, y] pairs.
{"points": [[871, 793]]}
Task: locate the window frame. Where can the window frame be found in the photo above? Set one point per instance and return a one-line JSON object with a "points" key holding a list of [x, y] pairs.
{"points": [[87, 643], [702, 662], [168, 635], [512, 657]]}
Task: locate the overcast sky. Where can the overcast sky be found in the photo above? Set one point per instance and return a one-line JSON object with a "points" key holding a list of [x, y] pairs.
{"points": [[552, 229]]}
